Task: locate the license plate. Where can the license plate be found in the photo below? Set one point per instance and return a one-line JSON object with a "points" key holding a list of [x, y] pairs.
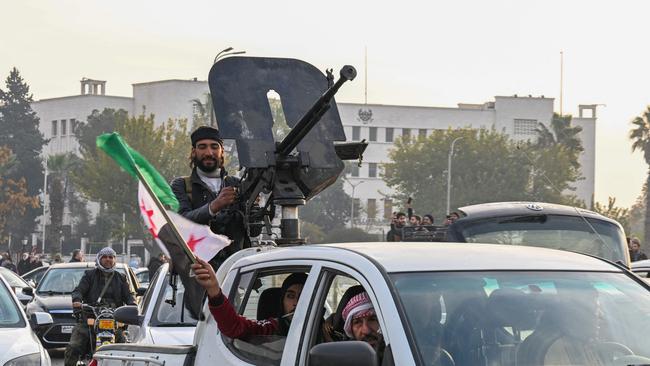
{"points": [[66, 329], [106, 324]]}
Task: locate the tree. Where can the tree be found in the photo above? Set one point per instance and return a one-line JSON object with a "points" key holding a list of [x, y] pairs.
{"points": [[96, 124], [203, 112], [640, 136], [330, 209], [14, 199], [19, 132], [101, 180], [61, 194], [561, 132], [486, 167], [622, 215]]}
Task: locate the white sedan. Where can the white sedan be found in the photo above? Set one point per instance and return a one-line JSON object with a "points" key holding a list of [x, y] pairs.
{"points": [[436, 304], [18, 342]]}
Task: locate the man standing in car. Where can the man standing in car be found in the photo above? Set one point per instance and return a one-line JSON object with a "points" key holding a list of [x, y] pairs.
{"points": [[102, 285]]}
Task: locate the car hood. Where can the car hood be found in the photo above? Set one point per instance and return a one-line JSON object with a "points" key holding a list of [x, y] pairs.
{"points": [[170, 336], [55, 301], [16, 342]]}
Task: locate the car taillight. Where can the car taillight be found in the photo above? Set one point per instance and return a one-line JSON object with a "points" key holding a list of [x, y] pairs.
{"points": [[93, 362]]}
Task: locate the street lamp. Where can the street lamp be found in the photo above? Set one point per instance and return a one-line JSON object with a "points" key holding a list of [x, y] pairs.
{"points": [[354, 186], [451, 153], [226, 52]]}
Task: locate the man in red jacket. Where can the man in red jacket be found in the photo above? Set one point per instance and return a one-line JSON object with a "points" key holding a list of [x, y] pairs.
{"points": [[233, 325]]}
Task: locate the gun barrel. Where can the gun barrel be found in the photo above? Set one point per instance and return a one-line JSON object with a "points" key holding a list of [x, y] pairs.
{"points": [[309, 120]]}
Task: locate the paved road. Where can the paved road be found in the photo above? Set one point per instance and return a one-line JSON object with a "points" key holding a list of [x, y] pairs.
{"points": [[57, 356]]}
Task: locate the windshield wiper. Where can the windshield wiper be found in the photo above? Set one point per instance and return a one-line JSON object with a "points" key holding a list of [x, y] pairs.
{"points": [[50, 292]]}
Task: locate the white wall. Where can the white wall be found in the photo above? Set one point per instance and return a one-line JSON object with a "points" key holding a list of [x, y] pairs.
{"points": [[168, 99]]}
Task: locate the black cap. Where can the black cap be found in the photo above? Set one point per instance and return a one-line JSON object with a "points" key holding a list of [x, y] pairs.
{"points": [[205, 132], [293, 279]]}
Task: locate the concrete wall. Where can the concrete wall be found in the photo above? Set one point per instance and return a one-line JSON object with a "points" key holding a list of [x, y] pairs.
{"points": [[168, 99]]}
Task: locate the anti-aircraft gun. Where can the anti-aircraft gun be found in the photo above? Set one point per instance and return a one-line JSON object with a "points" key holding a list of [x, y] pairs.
{"points": [[306, 161]]}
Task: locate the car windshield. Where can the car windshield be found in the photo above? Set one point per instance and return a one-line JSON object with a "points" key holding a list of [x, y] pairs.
{"points": [[551, 231], [13, 279], [60, 280], [142, 276], [167, 315], [10, 316], [526, 318]]}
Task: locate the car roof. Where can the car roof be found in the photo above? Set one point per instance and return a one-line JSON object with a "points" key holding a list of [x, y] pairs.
{"points": [[80, 265], [420, 257], [499, 209]]}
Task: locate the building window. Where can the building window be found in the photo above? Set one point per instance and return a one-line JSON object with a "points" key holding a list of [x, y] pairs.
{"points": [[388, 208], [356, 203], [354, 170], [389, 134], [406, 133], [73, 125], [372, 170], [54, 128], [373, 134], [371, 210], [356, 133], [64, 127], [525, 127], [422, 132]]}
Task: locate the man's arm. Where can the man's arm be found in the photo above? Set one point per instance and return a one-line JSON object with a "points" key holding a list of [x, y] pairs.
{"points": [[80, 292], [229, 322], [199, 215], [127, 296]]}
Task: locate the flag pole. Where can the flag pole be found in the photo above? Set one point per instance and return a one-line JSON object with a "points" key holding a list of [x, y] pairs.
{"points": [[162, 209]]}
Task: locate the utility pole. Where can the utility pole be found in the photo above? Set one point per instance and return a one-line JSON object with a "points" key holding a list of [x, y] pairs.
{"points": [[44, 207], [451, 153]]}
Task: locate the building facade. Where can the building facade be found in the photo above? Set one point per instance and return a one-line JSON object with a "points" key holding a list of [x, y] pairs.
{"points": [[378, 124]]}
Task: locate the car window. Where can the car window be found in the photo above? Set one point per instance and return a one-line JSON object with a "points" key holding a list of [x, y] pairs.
{"points": [[10, 316], [258, 296], [143, 276], [145, 303], [169, 309], [61, 280], [531, 318]]}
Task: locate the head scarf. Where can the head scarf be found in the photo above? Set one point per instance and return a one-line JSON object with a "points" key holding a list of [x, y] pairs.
{"points": [[108, 251], [359, 306]]}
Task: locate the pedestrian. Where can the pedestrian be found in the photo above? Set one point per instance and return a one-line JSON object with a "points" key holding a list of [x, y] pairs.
{"points": [[395, 233], [635, 250], [155, 263], [77, 256]]}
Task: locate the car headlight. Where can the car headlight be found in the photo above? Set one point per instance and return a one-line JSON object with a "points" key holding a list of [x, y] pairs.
{"points": [[33, 359]]}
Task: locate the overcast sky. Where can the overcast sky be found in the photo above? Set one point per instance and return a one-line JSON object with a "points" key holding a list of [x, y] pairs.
{"points": [[419, 53]]}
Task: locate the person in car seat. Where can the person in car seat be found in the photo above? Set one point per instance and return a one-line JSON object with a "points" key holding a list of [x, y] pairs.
{"points": [[236, 326]]}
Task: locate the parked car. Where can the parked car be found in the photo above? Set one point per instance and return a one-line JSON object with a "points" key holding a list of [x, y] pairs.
{"points": [[541, 225], [18, 342], [34, 276], [443, 304], [142, 274], [160, 318], [17, 283], [642, 269], [53, 295]]}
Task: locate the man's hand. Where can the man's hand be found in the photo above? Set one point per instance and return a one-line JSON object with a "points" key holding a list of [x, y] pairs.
{"points": [[206, 277], [226, 197], [76, 304]]}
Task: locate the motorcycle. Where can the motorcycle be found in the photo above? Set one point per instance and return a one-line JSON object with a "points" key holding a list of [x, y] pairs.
{"points": [[102, 328]]}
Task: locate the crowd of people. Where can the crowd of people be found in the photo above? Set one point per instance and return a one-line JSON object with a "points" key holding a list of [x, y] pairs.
{"points": [[426, 222]]}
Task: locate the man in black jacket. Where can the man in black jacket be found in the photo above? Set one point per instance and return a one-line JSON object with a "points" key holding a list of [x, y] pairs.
{"points": [[207, 196], [102, 285]]}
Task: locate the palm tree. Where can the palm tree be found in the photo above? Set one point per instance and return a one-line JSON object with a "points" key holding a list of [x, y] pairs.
{"points": [[561, 133], [60, 193], [640, 136]]}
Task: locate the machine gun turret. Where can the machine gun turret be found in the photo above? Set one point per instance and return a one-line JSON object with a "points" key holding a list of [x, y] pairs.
{"points": [[306, 161]]}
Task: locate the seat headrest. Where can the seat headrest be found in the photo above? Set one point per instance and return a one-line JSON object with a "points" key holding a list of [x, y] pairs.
{"points": [[511, 308], [270, 304]]}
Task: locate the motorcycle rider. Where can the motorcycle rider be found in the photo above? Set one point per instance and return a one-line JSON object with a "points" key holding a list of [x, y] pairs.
{"points": [[102, 285]]}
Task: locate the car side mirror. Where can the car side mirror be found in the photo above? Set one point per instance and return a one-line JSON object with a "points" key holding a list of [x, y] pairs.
{"points": [[39, 319], [141, 291], [349, 353], [28, 291], [128, 314]]}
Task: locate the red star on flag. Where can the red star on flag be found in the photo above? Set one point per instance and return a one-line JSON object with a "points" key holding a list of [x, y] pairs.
{"points": [[152, 226], [193, 241]]}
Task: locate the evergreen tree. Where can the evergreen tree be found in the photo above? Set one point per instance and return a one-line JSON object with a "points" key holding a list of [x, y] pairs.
{"points": [[19, 132]]}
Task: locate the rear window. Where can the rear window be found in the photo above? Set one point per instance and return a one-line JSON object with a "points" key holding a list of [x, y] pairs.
{"points": [[605, 240]]}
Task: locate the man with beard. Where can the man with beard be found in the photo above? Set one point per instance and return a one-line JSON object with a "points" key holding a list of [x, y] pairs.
{"points": [[208, 194], [361, 323]]}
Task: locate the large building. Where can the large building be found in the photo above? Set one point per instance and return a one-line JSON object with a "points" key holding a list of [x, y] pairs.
{"points": [[378, 124]]}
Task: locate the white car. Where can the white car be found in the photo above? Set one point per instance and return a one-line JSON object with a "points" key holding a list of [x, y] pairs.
{"points": [[437, 304], [18, 342], [160, 318]]}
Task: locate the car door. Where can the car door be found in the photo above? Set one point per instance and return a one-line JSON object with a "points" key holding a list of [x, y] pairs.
{"points": [[245, 289]]}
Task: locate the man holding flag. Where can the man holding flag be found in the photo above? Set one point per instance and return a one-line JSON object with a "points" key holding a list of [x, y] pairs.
{"points": [[207, 196], [180, 239]]}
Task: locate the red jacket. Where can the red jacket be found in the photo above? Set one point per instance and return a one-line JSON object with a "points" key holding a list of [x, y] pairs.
{"points": [[233, 325]]}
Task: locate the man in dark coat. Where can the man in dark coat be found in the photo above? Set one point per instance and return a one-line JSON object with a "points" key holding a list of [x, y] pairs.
{"points": [[207, 196], [102, 285], [155, 263]]}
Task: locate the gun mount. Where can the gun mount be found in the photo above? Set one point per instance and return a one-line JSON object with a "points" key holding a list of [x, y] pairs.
{"points": [[306, 161]]}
